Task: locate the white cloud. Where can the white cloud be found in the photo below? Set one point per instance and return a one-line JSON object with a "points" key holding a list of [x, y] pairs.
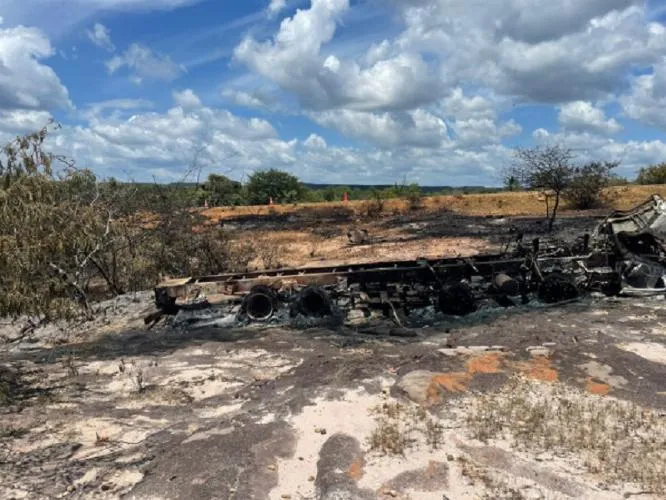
{"points": [[545, 51], [100, 35], [258, 98], [293, 59], [22, 121], [145, 64], [433, 102], [275, 7], [164, 143], [388, 130], [187, 99], [647, 100], [315, 141], [26, 83], [459, 106], [117, 106], [594, 147], [475, 132], [581, 116]]}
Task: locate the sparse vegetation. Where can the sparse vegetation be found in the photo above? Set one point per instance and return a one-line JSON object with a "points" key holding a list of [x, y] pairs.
{"points": [[400, 426], [374, 207], [622, 441], [270, 254]]}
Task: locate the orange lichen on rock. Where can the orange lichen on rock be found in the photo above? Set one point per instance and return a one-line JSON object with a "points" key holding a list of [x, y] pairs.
{"points": [[355, 470], [488, 363], [595, 387], [446, 382], [538, 368], [457, 381]]}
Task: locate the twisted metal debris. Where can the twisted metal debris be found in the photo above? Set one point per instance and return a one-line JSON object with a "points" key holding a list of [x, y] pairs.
{"points": [[625, 255]]}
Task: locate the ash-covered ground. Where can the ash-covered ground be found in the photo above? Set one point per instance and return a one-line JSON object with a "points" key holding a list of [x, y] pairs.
{"points": [[531, 402]]}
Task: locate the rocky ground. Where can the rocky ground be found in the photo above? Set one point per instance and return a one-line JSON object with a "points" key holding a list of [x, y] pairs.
{"points": [[532, 402], [538, 402]]}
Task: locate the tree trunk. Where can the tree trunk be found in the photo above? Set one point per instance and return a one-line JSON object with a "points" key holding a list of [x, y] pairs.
{"points": [[554, 214]]}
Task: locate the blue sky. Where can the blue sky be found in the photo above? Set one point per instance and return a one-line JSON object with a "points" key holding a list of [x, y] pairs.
{"points": [[343, 91]]}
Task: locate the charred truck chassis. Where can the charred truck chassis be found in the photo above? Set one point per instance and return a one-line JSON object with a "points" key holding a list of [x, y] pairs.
{"points": [[625, 254]]}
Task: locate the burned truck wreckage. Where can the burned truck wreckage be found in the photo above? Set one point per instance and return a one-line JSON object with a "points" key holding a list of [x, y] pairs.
{"points": [[624, 255]]}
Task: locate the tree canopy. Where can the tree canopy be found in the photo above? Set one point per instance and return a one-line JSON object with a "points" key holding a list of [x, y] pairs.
{"points": [[281, 187]]}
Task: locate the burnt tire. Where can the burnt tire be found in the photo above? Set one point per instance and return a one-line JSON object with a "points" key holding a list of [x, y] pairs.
{"points": [[260, 304], [314, 302], [457, 300], [557, 287]]}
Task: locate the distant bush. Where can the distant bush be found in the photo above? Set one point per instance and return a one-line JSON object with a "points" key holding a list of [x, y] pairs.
{"points": [[654, 174], [219, 190], [414, 197], [587, 186], [374, 207]]}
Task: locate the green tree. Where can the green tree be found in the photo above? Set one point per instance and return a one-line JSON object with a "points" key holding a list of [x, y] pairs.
{"points": [[653, 174], [220, 190], [281, 187]]}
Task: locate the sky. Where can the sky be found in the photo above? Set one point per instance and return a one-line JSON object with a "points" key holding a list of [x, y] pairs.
{"points": [[439, 92]]}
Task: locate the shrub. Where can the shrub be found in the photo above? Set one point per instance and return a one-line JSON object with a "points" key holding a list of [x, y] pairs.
{"points": [[64, 235], [587, 186], [414, 197], [374, 207], [654, 174]]}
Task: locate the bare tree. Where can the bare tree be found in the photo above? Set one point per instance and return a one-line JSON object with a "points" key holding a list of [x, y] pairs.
{"points": [[546, 169]]}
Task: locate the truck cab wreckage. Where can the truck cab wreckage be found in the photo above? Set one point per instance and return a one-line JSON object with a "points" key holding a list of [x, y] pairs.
{"points": [[625, 255]]}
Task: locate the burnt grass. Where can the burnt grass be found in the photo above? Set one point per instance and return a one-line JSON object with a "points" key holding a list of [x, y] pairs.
{"points": [[419, 224]]}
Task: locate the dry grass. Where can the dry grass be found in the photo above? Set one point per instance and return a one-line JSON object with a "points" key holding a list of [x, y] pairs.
{"points": [[501, 204], [270, 254], [400, 426], [619, 440], [496, 490]]}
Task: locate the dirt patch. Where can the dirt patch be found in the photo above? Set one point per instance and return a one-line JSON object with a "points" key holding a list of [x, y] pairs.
{"points": [[595, 387], [355, 471], [538, 368], [450, 382], [487, 363]]}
